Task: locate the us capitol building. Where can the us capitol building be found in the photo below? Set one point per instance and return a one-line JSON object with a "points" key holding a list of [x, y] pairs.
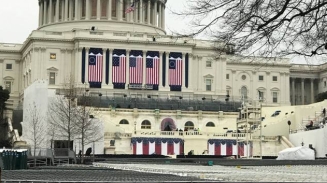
{"points": [[148, 83]]}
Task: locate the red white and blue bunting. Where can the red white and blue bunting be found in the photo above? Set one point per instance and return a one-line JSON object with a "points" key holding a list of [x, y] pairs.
{"points": [[228, 147], [159, 146]]}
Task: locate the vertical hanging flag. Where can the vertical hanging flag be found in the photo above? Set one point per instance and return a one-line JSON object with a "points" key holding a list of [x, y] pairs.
{"points": [[135, 69], [131, 8], [175, 71], [95, 68], [152, 70], [118, 68]]}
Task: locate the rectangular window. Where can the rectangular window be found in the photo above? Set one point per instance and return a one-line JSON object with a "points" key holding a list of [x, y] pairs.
{"points": [[275, 97], [227, 76], [9, 66], [208, 84], [94, 8], [208, 64], [274, 78], [53, 56], [104, 5], [8, 85], [52, 78], [261, 95], [325, 84], [113, 8], [260, 78], [83, 8]]}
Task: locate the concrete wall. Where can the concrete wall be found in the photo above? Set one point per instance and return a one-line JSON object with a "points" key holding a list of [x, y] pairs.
{"points": [[315, 137]]}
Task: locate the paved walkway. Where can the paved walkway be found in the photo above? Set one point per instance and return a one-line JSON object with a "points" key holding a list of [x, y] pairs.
{"points": [[298, 173]]}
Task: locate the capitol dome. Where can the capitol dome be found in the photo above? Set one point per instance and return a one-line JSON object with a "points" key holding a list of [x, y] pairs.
{"points": [[112, 15]]}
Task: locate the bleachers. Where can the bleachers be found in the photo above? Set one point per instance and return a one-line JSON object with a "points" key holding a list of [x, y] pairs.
{"points": [[162, 104]]}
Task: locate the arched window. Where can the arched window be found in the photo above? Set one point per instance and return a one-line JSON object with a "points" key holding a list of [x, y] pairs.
{"points": [[210, 124], [146, 124], [189, 125], [123, 122], [244, 92]]}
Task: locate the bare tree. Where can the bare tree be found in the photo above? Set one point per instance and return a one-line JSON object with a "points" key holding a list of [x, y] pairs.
{"points": [[89, 128], [36, 123], [62, 109], [263, 27]]}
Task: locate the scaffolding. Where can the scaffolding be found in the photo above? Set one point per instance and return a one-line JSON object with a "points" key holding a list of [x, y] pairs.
{"points": [[250, 120]]}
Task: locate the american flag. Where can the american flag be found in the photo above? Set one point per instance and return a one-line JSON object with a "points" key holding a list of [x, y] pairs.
{"points": [[118, 68], [135, 69], [131, 8], [152, 70], [95, 67], [175, 71]]}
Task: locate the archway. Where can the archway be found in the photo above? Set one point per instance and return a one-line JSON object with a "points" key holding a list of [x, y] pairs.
{"points": [[168, 124]]}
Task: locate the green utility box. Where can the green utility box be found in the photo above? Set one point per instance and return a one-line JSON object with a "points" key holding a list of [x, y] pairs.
{"points": [[13, 159]]}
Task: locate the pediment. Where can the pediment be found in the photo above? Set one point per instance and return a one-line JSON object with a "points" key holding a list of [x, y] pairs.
{"points": [[208, 76], [52, 69], [8, 78]]}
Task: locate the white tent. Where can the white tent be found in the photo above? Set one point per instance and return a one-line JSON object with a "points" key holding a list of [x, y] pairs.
{"points": [[296, 153]]}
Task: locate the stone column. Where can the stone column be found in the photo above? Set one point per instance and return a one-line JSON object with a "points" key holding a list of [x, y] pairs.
{"points": [[131, 14], [160, 68], [66, 10], [40, 13], [148, 13], [98, 10], [62, 11], [87, 65], [77, 10], [50, 12], [45, 5], [302, 90], [87, 10], [109, 9], [110, 69], [104, 65], [293, 91], [163, 23], [167, 71], [155, 13], [144, 67], [160, 15], [136, 12], [57, 10], [190, 70], [141, 10], [120, 10], [312, 91], [183, 70], [127, 68], [71, 10]]}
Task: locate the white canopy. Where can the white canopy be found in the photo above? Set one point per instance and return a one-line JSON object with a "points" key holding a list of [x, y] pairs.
{"points": [[296, 153]]}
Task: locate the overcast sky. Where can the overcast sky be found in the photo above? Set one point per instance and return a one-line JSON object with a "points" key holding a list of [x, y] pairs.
{"points": [[19, 17]]}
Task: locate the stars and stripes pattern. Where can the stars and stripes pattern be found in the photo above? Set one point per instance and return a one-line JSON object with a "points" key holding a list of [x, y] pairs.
{"points": [[175, 71], [131, 8], [95, 67], [152, 70], [118, 68], [136, 69]]}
